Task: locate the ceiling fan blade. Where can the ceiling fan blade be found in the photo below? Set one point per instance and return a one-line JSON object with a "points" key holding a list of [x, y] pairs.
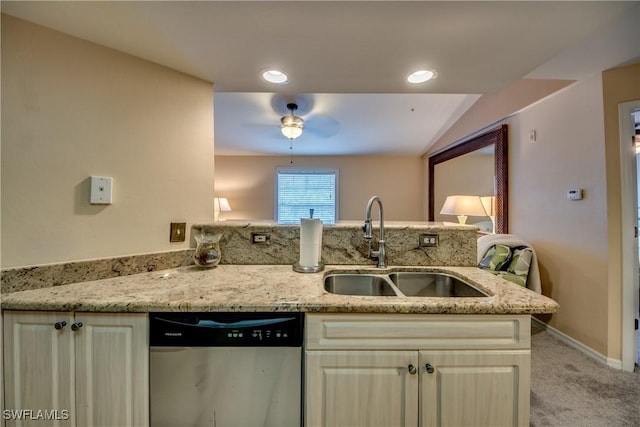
{"points": [[265, 131], [322, 126]]}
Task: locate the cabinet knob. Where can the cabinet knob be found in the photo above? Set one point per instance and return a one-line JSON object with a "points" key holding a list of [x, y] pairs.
{"points": [[429, 367], [60, 325], [76, 326], [412, 369]]}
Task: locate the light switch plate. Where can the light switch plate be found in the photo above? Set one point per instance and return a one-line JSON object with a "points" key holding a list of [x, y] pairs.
{"points": [[101, 189], [178, 231]]}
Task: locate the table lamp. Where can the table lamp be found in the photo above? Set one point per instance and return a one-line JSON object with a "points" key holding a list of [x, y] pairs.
{"points": [[462, 207]]}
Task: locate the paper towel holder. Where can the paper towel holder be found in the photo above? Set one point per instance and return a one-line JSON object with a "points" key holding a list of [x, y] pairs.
{"points": [[307, 269], [297, 266]]}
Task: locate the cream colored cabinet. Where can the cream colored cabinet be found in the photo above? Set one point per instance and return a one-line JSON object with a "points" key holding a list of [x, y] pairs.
{"points": [[76, 369], [361, 388], [425, 370], [474, 388]]}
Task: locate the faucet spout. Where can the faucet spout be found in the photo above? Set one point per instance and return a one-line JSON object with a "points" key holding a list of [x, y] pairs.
{"points": [[368, 231]]}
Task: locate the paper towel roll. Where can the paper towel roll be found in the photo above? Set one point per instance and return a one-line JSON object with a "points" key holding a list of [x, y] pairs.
{"points": [[310, 241]]}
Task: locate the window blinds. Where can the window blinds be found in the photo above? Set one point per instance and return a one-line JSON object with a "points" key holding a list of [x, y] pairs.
{"points": [[301, 190]]}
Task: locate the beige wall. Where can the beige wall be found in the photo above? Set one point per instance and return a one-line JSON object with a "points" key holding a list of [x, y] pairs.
{"points": [[569, 236], [619, 85], [248, 183], [493, 107], [72, 109]]}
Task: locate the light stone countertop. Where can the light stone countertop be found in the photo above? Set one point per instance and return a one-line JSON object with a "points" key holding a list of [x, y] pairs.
{"points": [[269, 288]]}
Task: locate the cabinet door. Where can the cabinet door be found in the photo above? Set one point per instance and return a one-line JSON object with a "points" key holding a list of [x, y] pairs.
{"points": [[38, 369], [474, 388], [361, 388], [112, 369]]}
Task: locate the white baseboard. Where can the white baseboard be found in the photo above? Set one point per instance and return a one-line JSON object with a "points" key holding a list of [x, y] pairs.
{"points": [[571, 342]]}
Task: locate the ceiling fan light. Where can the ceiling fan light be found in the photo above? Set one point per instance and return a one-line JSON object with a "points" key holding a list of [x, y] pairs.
{"points": [[422, 76], [291, 132], [275, 76], [291, 126]]}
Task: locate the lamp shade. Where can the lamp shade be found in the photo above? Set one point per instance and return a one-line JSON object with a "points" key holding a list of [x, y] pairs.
{"points": [[220, 204], [489, 204], [463, 206]]}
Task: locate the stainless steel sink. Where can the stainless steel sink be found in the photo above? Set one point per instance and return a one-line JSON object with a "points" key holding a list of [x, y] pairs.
{"points": [[428, 284], [358, 284], [401, 283]]}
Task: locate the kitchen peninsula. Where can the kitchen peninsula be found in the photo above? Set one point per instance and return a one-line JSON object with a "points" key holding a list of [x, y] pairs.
{"points": [[414, 357], [387, 347]]}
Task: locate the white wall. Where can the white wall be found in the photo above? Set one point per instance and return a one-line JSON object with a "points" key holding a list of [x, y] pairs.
{"points": [[72, 109]]}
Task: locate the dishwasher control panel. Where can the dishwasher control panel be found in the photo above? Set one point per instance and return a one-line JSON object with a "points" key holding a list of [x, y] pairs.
{"points": [[232, 329]]}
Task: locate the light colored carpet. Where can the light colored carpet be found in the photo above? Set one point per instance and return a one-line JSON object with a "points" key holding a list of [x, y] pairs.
{"points": [[570, 389]]}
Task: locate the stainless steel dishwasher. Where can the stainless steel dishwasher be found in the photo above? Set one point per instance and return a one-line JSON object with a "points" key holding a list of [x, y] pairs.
{"points": [[226, 369]]}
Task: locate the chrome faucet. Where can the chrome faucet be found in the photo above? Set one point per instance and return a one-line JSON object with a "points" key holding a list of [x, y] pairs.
{"points": [[368, 235]]}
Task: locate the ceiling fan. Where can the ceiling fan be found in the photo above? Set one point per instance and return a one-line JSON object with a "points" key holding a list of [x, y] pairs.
{"points": [[298, 117], [301, 118], [291, 126]]}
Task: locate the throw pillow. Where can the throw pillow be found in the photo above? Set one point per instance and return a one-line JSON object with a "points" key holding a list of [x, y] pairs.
{"points": [[520, 261], [496, 257], [514, 278]]}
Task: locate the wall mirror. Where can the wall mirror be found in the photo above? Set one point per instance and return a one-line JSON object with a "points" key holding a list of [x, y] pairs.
{"points": [[475, 166]]}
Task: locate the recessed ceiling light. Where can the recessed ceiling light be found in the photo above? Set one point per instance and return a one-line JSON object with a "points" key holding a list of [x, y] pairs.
{"points": [[275, 76], [422, 76]]}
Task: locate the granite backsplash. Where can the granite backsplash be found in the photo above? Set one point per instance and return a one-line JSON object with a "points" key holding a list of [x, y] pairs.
{"points": [[44, 276], [344, 243]]}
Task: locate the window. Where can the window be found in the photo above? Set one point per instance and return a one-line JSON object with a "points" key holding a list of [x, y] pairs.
{"points": [[301, 189]]}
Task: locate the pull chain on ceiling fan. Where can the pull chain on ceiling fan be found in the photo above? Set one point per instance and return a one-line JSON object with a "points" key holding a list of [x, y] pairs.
{"points": [[291, 127]]}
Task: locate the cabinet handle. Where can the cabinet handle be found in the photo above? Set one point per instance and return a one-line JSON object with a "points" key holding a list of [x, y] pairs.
{"points": [[76, 326], [60, 325], [429, 367], [412, 369]]}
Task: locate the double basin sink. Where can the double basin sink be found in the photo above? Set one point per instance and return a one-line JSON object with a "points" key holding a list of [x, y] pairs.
{"points": [[400, 283]]}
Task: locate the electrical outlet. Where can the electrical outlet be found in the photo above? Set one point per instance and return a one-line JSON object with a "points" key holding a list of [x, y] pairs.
{"points": [[428, 240], [178, 231], [261, 238]]}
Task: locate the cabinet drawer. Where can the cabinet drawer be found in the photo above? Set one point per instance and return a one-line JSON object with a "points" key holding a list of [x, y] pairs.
{"points": [[417, 331]]}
